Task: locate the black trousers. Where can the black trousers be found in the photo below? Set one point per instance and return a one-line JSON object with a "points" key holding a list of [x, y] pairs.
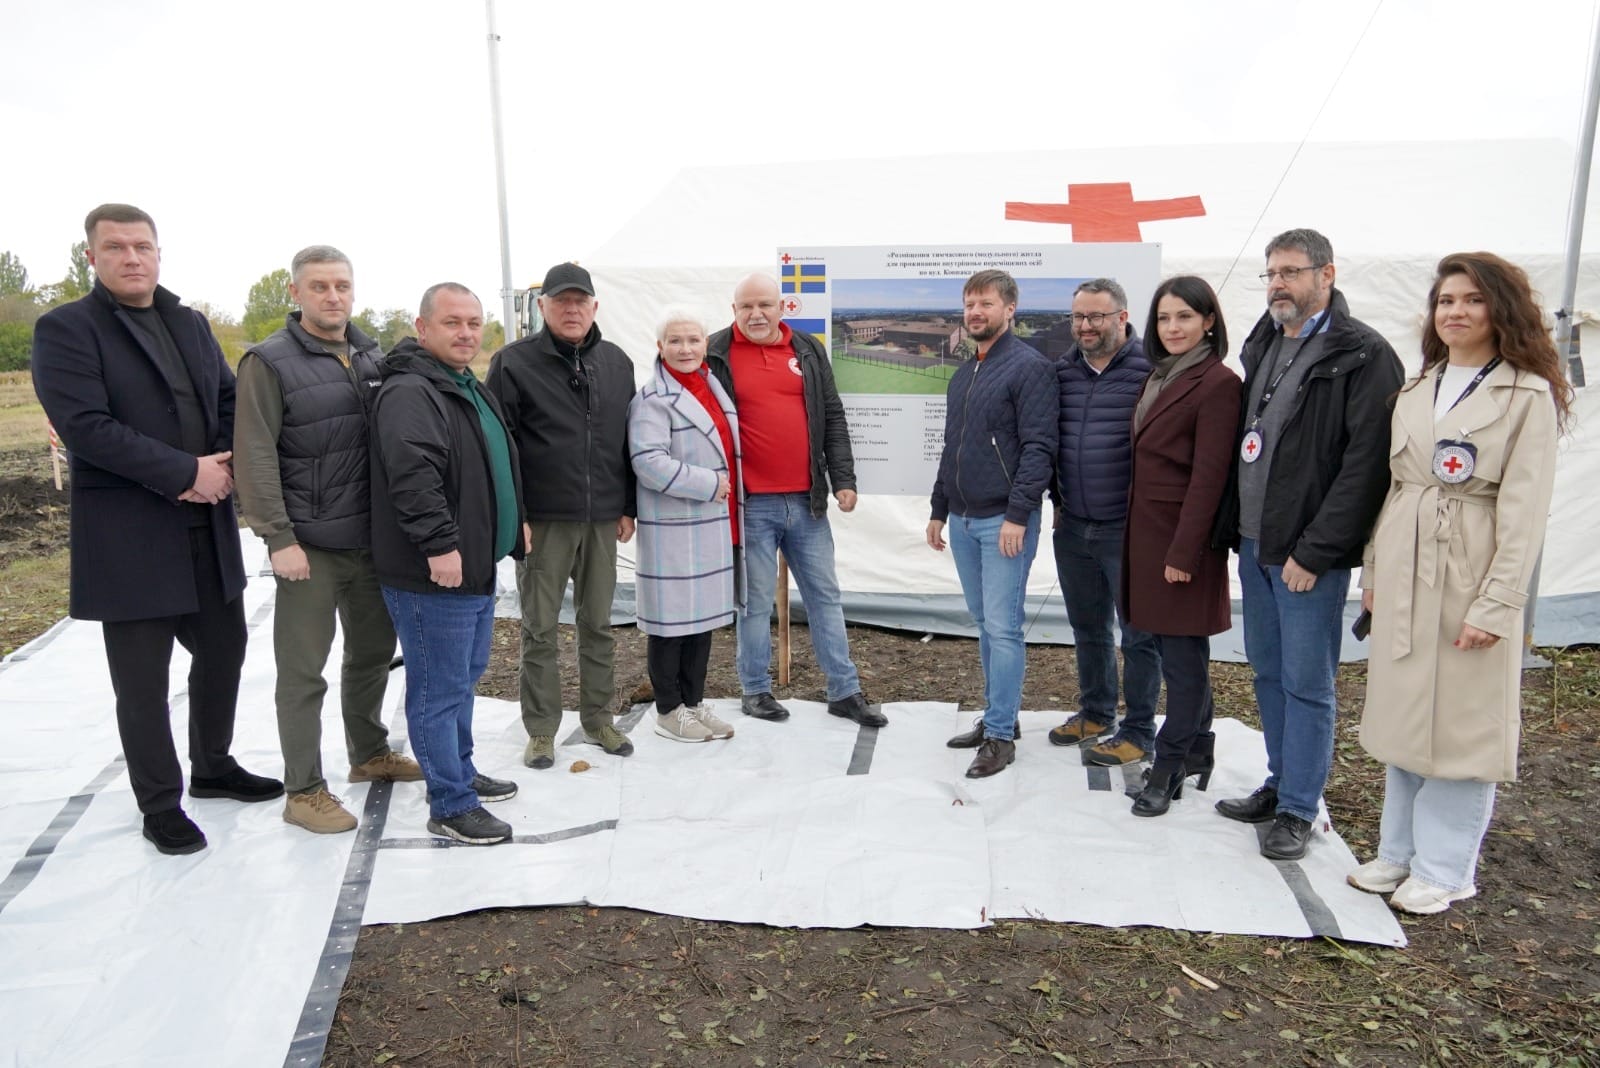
{"points": [[1186, 670], [678, 668], [139, 653]]}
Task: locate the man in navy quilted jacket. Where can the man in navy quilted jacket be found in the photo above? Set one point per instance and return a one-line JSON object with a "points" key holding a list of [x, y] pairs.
{"points": [[1001, 411], [1101, 377]]}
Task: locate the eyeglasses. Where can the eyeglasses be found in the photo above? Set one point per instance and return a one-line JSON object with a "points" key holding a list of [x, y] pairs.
{"points": [[1093, 318], [1288, 274]]}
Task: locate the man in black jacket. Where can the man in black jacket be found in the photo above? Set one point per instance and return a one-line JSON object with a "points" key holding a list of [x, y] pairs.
{"points": [[565, 392], [445, 510], [301, 457], [137, 388], [1311, 476], [793, 442]]}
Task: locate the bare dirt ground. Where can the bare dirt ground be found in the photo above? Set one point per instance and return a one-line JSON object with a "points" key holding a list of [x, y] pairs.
{"points": [[1510, 977], [33, 541]]}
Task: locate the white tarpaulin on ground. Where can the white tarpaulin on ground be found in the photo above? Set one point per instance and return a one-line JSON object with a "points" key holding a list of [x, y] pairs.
{"points": [[814, 822], [1391, 210]]}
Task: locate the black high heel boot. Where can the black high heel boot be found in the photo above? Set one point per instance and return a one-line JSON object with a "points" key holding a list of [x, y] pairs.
{"points": [[1201, 760], [1162, 785]]}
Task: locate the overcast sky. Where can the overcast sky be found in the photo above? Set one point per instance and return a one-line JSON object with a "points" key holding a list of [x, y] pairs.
{"points": [[250, 129]]}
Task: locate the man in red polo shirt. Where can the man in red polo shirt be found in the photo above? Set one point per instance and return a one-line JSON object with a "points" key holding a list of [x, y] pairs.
{"points": [[794, 443]]}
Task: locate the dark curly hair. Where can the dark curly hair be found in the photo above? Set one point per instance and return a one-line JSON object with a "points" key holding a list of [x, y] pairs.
{"points": [[1515, 320]]}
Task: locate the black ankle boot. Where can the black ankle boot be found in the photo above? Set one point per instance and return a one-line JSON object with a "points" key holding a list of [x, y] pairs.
{"points": [[1200, 759], [1163, 784]]}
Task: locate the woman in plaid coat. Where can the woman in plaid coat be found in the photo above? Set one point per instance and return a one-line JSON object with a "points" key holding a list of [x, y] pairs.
{"points": [[683, 439]]}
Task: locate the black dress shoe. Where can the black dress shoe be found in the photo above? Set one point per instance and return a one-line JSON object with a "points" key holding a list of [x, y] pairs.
{"points": [[1259, 807], [173, 833], [994, 756], [236, 785], [974, 738], [763, 706], [855, 707], [1288, 839], [1163, 784], [491, 790]]}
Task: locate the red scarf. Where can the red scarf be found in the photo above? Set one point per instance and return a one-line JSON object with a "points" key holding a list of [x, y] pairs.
{"points": [[699, 386]]}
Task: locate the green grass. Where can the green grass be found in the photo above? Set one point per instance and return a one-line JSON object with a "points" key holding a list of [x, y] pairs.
{"points": [[33, 595], [853, 376], [21, 418]]}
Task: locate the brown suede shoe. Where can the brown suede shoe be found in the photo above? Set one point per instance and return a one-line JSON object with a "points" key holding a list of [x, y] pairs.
{"points": [[1116, 752], [993, 757], [387, 767], [1080, 730]]}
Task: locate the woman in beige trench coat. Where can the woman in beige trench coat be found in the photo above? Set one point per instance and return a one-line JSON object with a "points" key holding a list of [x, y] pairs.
{"points": [[1472, 464]]}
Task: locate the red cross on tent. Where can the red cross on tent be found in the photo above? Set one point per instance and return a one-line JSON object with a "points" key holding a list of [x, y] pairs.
{"points": [[1105, 211]]}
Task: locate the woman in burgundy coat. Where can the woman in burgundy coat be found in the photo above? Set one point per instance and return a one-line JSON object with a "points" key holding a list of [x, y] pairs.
{"points": [[1174, 582]]}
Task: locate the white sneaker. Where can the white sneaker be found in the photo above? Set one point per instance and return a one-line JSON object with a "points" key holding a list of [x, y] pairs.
{"points": [[1419, 897], [719, 728], [1378, 877], [681, 725]]}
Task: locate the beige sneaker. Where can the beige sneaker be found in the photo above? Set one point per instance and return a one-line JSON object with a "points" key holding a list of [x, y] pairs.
{"points": [[540, 752], [719, 729], [682, 725], [387, 767], [319, 812]]}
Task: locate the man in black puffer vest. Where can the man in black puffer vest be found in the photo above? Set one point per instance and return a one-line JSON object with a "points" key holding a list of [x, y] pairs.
{"points": [[304, 483]]}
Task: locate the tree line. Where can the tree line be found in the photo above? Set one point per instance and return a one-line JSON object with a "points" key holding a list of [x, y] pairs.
{"points": [[21, 304]]}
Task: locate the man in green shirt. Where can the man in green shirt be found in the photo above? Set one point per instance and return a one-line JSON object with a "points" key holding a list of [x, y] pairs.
{"points": [[445, 510]]}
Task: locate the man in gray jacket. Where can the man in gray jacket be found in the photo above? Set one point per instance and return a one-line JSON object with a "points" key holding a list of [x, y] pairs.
{"points": [[302, 472]]}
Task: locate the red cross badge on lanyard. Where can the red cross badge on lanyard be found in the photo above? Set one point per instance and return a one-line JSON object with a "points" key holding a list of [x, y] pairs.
{"points": [[1250, 447], [1454, 461]]}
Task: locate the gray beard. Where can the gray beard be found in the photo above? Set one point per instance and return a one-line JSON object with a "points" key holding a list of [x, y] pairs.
{"points": [[1104, 351]]}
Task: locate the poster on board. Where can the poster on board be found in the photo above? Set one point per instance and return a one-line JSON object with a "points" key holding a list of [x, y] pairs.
{"points": [[890, 317]]}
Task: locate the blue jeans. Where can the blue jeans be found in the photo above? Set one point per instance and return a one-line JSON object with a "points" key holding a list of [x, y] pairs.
{"points": [[1089, 565], [1434, 826], [995, 588], [445, 640], [783, 521], [1292, 642]]}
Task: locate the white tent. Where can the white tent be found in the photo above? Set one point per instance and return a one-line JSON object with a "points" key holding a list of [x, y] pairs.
{"points": [[1391, 210]]}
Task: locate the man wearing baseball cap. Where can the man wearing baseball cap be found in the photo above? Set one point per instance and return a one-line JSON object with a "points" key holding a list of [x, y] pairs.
{"points": [[565, 392]]}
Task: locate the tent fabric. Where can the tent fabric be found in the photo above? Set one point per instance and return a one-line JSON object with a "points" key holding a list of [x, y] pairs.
{"points": [[1391, 210]]}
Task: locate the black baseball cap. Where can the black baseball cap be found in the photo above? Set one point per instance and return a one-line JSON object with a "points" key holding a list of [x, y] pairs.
{"points": [[565, 276]]}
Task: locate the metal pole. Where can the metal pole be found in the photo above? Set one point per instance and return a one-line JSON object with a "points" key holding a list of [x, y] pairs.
{"points": [[507, 292], [1580, 197], [1569, 289]]}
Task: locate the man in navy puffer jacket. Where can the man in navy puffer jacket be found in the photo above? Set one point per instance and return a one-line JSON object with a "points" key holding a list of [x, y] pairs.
{"points": [[1101, 379], [1000, 427]]}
